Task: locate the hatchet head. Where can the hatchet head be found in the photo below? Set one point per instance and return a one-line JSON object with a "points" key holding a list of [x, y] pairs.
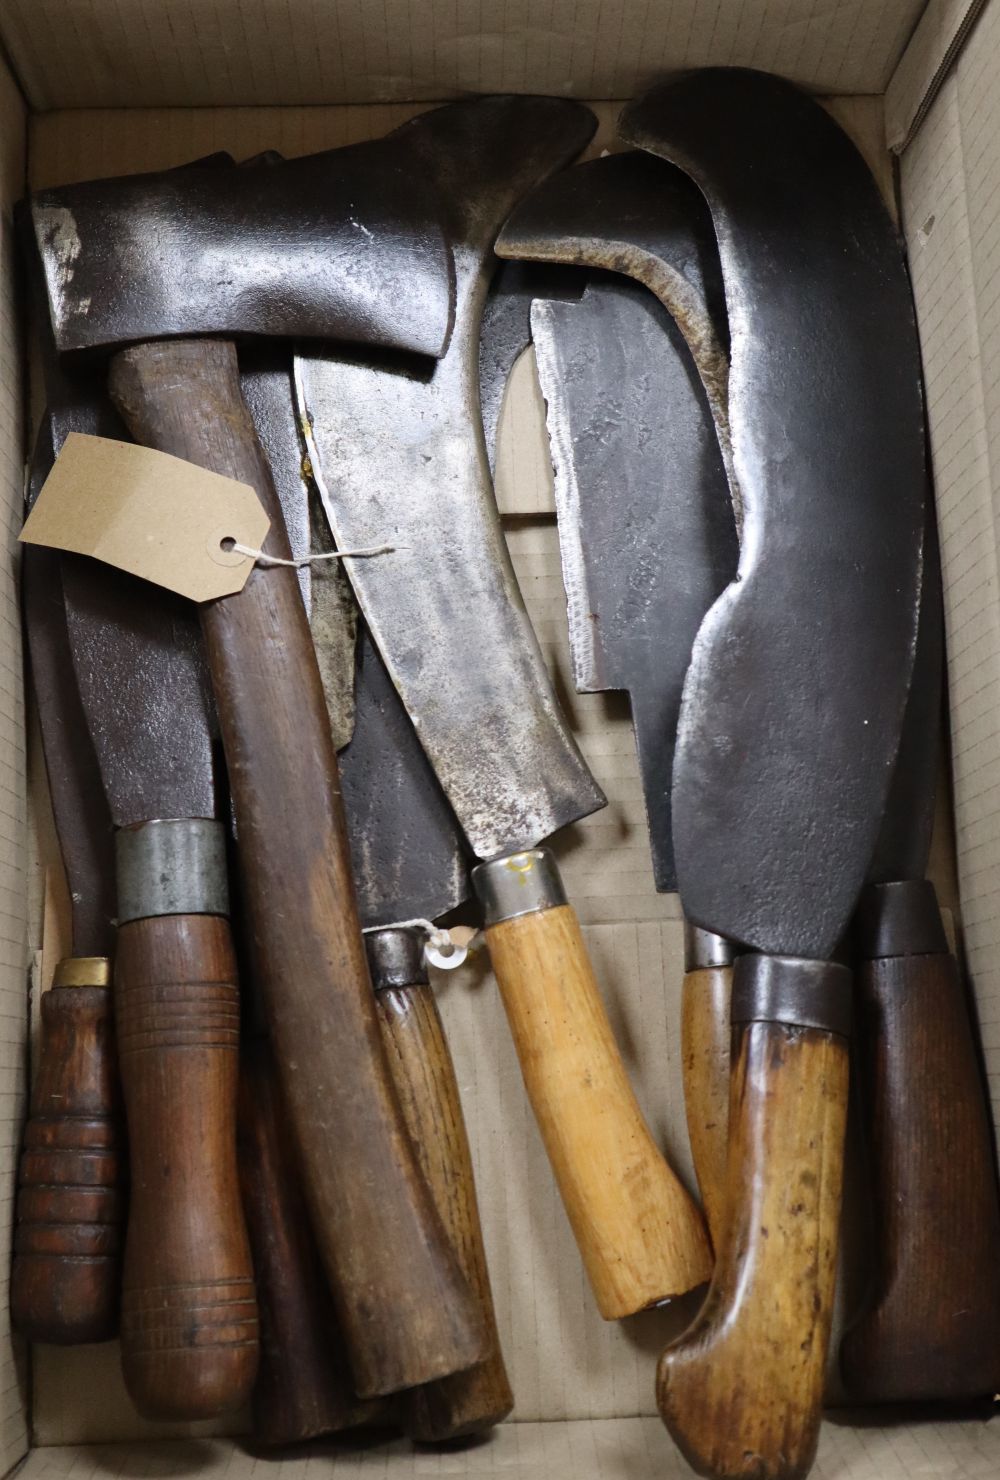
{"points": [[342, 245], [400, 458]]}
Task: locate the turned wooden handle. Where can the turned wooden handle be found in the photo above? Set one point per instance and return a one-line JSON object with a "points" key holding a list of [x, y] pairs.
{"points": [[407, 1313], [424, 1074], [189, 1314], [639, 1232], [741, 1391], [303, 1388], [71, 1198], [931, 1330], [706, 1043]]}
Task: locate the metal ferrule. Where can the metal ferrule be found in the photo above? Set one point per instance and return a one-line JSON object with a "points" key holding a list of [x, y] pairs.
{"points": [[792, 990], [704, 949], [173, 866], [396, 957], [899, 920], [520, 884], [82, 971]]}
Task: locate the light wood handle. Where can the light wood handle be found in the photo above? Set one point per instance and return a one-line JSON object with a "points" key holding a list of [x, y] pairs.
{"points": [[303, 1388], [931, 1330], [71, 1200], [640, 1234], [706, 1043], [407, 1314], [189, 1313], [422, 1068], [741, 1391]]}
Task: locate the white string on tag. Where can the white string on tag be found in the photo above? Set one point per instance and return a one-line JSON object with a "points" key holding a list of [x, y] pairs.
{"points": [[260, 558], [439, 948]]}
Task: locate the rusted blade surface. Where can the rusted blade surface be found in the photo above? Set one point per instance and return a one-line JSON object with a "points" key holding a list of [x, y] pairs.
{"points": [[400, 456], [794, 700], [341, 245], [646, 526], [408, 853]]}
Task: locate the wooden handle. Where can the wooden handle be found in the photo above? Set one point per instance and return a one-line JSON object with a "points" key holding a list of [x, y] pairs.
{"points": [[706, 1055], [466, 1402], [189, 1315], [303, 1388], [640, 1234], [407, 1313], [932, 1328], [741, 1391], [71, 1200]]}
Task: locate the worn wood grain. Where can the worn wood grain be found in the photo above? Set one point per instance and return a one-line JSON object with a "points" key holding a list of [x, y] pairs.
{"points": [[639, 1232], [406, 1311], [71, 1199], [741, 1391], [706, 1054], [421, 1063], [189, 1313]]}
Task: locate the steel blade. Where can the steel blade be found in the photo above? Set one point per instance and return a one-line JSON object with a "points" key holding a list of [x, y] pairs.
{"points": [[399, 453], [505, 330], [410, 861], [79, 807], [793, 704], [646, 526]]}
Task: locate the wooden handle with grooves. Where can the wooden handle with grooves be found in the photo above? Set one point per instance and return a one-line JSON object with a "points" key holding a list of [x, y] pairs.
{"points": [[65, 1283], [472, 1401], [303, 1388], [931, 1330], [189, 1313], [706, 1056], [640, 1234], [741, 1391], [407, 1313]]}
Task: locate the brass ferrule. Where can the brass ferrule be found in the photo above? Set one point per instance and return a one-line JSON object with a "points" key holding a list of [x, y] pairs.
{"points": [[82, 971]]}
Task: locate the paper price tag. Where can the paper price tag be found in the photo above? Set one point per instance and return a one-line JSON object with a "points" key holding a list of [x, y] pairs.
{"points": [[151, 514]]}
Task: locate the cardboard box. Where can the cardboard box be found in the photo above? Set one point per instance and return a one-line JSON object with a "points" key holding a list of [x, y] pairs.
{"points": [[103, 86]]}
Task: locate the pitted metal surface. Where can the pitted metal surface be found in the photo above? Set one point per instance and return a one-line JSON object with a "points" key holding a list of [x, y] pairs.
{"points": [[646, 528], [410, 860], [637, 216], [399, 452], [341, 245], [794, 700], [505, 330]]}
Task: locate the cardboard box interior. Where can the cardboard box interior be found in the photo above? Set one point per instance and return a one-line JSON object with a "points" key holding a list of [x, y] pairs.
{"points": [[132, 85]]}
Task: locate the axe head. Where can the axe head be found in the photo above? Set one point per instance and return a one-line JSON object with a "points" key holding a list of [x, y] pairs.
{"points": [[344, 245]]}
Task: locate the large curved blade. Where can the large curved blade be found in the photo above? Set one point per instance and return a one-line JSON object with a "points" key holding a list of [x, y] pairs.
{"points": [[400, 457], [794, 700], [646, 525]]}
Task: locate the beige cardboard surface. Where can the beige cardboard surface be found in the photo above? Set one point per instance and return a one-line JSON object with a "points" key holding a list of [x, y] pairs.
{"points": [[13, 832], [951, 207], [148, 513], [940, 33], [615, 1449], [143, 53]]}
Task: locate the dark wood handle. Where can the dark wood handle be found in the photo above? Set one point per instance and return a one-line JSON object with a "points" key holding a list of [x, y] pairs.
{"points": [[303, 1388], [407, 1313], [742, 1389], [424, 1074], [932, 1328], [189, 1314], [71, 1197], [705, 1054], [641, 1237]]}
